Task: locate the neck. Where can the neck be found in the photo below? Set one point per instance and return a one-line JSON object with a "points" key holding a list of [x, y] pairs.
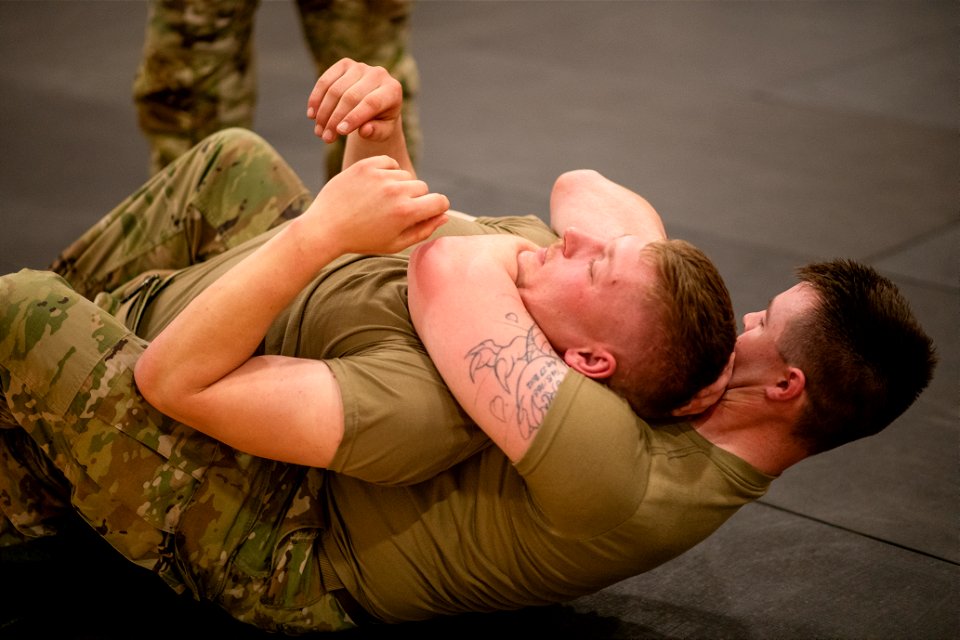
{"points": [[752, 429]]}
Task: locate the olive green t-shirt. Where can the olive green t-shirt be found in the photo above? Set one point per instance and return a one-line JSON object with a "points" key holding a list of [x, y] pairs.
{"points": [[600, 496]]}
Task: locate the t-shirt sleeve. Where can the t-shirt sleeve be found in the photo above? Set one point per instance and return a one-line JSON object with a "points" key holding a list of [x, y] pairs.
{"points": [[587, 468], [401, 424], [530, 227]]}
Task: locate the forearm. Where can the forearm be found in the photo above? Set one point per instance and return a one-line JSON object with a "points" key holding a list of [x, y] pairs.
{"points": [[358, 148], [222, 327]]}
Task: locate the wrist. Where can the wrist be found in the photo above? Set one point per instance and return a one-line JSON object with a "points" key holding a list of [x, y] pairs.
{"points": [[394, 144], [313, 243]]}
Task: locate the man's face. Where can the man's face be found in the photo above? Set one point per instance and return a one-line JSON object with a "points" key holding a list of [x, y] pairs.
{"points": [[583, 288], [757, 351]]}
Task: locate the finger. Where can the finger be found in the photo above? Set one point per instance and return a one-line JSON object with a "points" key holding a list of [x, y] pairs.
{"points": [[324, 125], [404, 182], [421, 230], [326, 79], [377, 101], [332, 98], [417, 188], [361, 102], [379, 164], [430, 205], [385, 163]]}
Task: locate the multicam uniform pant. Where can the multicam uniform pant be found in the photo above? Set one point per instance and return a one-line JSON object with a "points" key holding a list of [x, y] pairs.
{"points": [[77, 435], [197, 74]]}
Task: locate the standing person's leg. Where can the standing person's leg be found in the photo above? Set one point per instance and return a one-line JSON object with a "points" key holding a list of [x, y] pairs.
{"points": [[376, 32], [197, 73], [231, 187]]}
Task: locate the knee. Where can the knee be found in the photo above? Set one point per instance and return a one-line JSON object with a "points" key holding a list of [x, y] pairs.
{"points": [[27, 292], [239, 142], [28, 283], [239, 136], [34, 306]]}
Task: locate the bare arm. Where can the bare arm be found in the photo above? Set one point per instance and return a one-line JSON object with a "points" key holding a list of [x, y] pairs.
{"points": [[493, 357], [589, 201], [201, 369], [363, 103]]}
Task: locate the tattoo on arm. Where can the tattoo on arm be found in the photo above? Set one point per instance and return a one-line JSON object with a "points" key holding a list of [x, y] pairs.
{"points": [[527, 371]]}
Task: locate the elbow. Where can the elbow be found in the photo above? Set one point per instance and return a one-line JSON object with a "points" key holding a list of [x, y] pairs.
{"points": [[573, 181], [153, 383], [571, 190], [575, 177]]}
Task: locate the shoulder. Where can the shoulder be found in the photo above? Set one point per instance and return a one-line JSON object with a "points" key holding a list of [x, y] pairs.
{"points": [[586, 469]]}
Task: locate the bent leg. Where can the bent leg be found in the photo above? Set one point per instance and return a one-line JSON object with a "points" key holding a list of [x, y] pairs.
{"points": [[66, 369], [204, 517], [228, 189]]}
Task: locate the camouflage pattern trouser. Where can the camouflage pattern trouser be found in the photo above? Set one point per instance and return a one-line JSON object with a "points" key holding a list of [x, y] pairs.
{"points": [[77, 435], [230, 188], [198, 75]]}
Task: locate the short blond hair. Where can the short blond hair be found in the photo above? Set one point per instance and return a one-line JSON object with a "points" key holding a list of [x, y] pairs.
{"points": [[694, 337]]}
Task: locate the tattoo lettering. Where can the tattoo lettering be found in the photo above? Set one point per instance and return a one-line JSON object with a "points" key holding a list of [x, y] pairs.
{"points": [[527, 371]]}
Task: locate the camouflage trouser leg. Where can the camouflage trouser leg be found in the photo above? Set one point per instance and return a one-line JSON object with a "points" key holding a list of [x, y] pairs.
{"points": [[273, 577], [231, 187], [376, 32], [66, 369], [234, 529], [197, 73], [34, 496]]}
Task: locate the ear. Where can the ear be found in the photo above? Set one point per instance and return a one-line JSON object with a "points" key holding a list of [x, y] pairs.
{"points": [[788, 387], [595, 363]]}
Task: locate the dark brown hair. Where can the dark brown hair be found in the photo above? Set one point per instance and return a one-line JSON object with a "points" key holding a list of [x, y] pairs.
{"points": [[865, 357]]}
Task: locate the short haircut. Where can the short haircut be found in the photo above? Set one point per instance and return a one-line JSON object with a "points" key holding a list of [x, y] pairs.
{"points": [[865, 357], [695, 337]]}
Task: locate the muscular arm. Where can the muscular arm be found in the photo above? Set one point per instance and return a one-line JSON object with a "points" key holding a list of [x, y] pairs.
{"points": [[201, 370], [495, 360], [589, 201]]}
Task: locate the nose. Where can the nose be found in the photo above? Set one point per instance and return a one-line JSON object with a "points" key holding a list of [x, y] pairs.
{"points": [[576, 241], [750, 320]]}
